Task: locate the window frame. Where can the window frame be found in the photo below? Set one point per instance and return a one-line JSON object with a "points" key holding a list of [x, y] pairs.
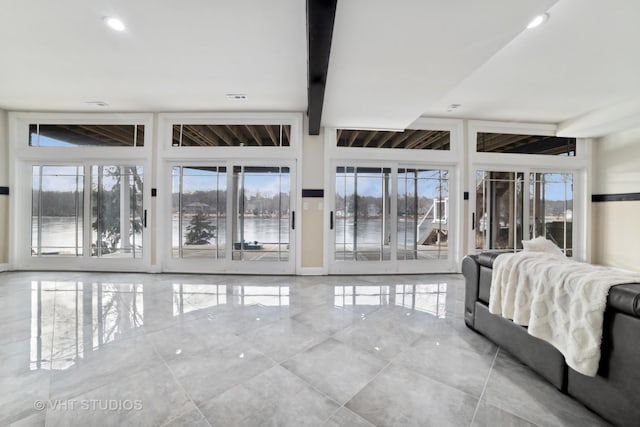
{"points": [[167, 151], [24, 157], [167, 156], [402, 158], [577, 165]]}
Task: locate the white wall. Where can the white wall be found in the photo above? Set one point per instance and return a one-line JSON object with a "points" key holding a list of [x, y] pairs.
{"points": [[615, 225], [4, 182]]}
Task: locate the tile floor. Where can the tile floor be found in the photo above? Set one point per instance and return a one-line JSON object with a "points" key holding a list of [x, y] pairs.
{"points": [[172, 350]]}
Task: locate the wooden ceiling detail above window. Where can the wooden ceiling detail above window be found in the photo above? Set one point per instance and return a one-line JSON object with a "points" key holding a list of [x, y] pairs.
{"points": [[412, 139], [525, 144], [231, 135], [72, 135]]}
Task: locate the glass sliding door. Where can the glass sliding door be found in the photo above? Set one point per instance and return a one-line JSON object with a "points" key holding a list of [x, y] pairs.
{"points": [[261, 200], [57, 205], [117, 215], [515, 206], [79, 197], [423, 210], [499, 217], [362, 214], [87, 211], [551, 208], [390, 218], [199, 211]]}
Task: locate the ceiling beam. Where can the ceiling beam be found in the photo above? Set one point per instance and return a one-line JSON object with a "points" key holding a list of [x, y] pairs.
{"points": [[320, 18], [353, 137], [385, 137], [369, 138], [254, 133], [272, 135]]}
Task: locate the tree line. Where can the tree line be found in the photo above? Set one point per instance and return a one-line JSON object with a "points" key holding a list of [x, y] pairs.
{"points": [[58, 203]]}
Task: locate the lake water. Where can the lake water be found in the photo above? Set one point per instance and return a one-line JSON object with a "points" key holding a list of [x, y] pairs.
{"points": [[59, 233]]}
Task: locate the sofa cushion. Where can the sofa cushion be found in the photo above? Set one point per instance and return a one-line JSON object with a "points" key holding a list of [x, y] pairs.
{"points": [[541, 244]]}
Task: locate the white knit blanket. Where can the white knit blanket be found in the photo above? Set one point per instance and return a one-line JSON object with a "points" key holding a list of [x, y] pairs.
{"points": [[560, 301]]}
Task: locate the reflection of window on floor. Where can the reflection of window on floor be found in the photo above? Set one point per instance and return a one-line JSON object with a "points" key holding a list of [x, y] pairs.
{"points": [[271, 296], [86, 317], [188, 298], [361, 295], [429, 298]]}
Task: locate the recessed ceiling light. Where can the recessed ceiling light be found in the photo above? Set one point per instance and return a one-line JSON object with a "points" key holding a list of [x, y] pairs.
{"points": [[97, 103], [538, 20], [237, 96], [114, 23]]}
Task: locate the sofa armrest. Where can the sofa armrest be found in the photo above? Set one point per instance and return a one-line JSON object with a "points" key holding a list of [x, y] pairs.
{"points": [[471, 273], [486, 259], [625, 298]]}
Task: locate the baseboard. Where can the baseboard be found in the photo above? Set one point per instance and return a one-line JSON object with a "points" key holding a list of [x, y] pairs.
{"points": [[312, 271], [4, 267], [155, 269]]}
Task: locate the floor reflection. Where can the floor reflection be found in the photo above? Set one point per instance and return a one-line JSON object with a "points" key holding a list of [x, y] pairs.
{"points": [[79, 317], [84, 317], [207, 349], [188, 298], [429, 298]]}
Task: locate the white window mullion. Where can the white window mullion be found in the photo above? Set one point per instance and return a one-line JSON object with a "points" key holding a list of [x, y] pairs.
{"points": [[86, 241], [526, 197], [230, 213], [393, 217]]}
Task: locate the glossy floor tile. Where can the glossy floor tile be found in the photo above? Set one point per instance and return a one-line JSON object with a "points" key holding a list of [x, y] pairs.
{"points": [[84, 349]]}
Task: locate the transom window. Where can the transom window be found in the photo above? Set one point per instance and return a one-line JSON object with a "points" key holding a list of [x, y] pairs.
{"points": [[410, 139], [76, 135], [525, 144], [222, 135]]}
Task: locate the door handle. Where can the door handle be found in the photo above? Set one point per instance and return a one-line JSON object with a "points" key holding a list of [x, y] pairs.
{"points": [[144, 219], [293, 220], [331, 220], [473, 220]]}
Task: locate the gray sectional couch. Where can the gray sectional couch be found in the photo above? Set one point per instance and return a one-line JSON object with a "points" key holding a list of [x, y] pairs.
{"points": [[614, 393]]}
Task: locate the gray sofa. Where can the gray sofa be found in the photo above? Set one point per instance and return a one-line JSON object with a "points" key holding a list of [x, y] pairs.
{"points": [[614, 393]]}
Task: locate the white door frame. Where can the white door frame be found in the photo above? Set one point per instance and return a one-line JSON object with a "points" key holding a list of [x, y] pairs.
{"points": [[527, 163], [383, 157], [168, 156], [24, 157]]}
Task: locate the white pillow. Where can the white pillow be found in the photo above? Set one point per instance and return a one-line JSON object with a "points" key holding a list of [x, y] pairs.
{"points": [[540, 244]]}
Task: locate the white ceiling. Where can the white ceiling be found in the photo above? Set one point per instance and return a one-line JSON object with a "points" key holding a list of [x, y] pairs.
{"points": [[391, 61], [174, 56]]}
